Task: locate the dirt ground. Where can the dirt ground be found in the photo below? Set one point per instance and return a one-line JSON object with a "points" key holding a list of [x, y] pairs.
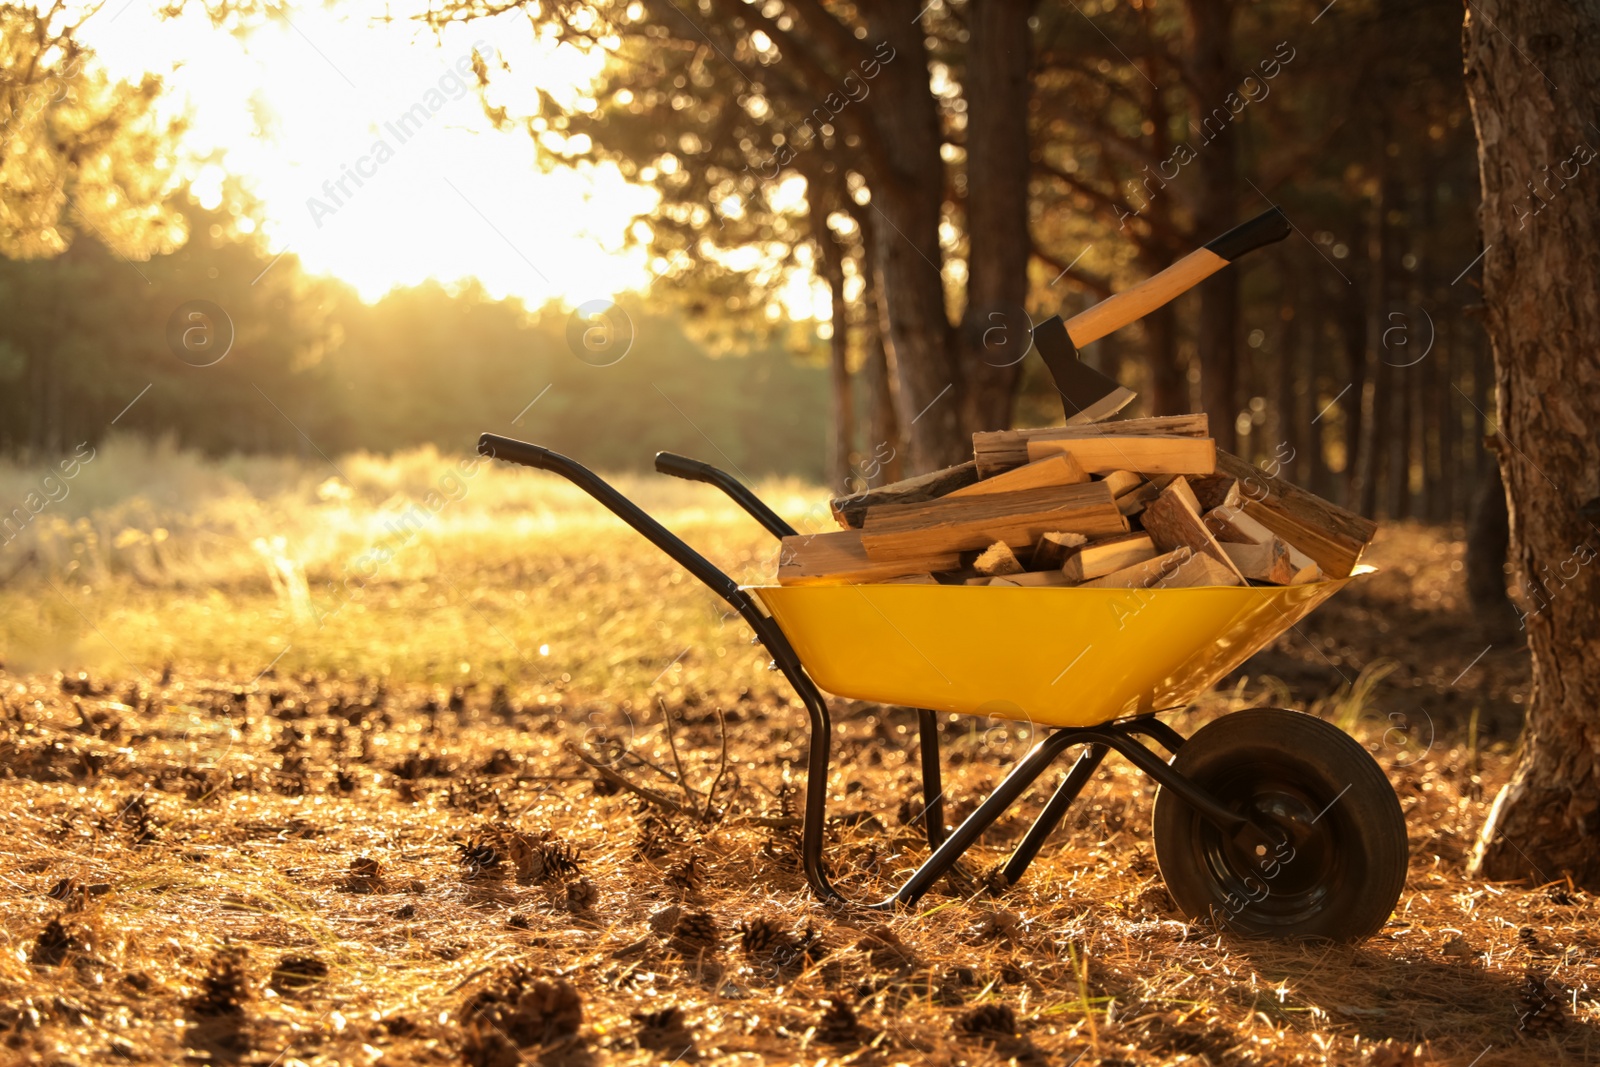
{"points": [[308, 868]]}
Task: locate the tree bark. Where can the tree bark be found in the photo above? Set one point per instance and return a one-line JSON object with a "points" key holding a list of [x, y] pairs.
{"points": [[1532, 78], [994, 329]]}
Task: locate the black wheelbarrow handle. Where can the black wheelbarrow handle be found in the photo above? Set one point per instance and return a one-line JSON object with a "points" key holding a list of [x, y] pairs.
{"points": [[694, 470]]}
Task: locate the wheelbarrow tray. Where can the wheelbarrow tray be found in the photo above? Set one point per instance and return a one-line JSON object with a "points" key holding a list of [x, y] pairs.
{"points": [[1070, 657]]}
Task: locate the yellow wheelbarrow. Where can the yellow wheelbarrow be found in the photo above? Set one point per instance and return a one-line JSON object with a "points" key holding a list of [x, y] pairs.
{"points": [[1267, 821]]}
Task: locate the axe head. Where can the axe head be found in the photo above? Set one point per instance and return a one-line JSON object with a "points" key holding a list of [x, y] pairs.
{"points": [[1083, 389]]}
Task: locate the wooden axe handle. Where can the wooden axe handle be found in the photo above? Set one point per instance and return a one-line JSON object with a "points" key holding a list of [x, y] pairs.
{"points": [[1117, 311]]}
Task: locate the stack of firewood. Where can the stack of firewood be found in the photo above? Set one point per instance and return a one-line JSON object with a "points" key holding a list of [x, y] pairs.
{"points": [[1132, 503]]}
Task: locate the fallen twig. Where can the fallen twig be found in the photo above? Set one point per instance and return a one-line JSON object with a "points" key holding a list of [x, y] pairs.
{"points": [[660, 800]]}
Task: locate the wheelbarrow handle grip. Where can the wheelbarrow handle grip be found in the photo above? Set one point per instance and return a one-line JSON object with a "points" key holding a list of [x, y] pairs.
{"points": [[529, 455], [696, 471], [692, 470]]}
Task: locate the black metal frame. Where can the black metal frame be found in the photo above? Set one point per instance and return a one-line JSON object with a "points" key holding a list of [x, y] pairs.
{"points": [[948, 845]]}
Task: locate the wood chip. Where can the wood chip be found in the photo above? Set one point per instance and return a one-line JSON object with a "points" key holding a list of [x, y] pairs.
{"points": [[997, 560]]}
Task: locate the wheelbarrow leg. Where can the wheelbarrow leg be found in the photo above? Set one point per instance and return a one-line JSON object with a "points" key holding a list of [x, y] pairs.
{"points": [[932, 790], [1082, 770], [965, 835]]}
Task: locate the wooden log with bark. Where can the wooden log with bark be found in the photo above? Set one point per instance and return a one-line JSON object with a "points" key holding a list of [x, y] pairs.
{"points": [[852, 510], [999, 450], [1328, 534], [901, 531]]}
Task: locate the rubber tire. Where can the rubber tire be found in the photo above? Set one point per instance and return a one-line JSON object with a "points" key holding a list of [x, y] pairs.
{"points": [[1279, 766]]}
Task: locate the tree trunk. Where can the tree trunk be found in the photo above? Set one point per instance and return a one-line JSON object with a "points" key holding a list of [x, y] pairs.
{"points": [[1488, 540], [1211, 70], [1532, 78], [1169, 384], [844, 418], [882, 459], [994, 327], [908, 195], [825, 189]]}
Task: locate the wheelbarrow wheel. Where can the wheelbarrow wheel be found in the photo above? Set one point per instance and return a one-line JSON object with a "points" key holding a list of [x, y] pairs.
{"points": [[1341, 862]]}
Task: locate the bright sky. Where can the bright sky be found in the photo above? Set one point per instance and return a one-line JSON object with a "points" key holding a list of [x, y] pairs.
{"points": [[290, 107]]}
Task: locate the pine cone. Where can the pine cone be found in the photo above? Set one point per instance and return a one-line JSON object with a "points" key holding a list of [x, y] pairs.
{"points": [[838, 1024], [366, 876], [696, 933], [764, 939], [664, 1031], [582, 894], [226, 986], [761, 937], [537, 857], [688, 875], [657, 835], [526, 1009], [297, 972], [663, 922], [989, 1020], [1540, 1004], [58, 940], [481, 859]]}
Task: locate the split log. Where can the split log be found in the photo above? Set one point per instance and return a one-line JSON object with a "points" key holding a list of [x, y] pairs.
{"points": [[837, 557], [1141, 575], [1121, 481], [1164, 454], [1053, 548], [1050, 471], [1136, 500], [1099, 558], [1200, 570], [998, 450], [1216, 491], [1331, 536], [1038, 578], [852, 510], [1172, 520], [1233, 524], [1268, 562], [913, 531]]}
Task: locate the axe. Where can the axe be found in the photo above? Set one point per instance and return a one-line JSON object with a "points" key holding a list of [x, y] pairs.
{"points": [[1086, 394]]}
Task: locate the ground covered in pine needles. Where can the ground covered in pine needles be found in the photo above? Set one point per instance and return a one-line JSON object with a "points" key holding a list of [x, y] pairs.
{"points": [[324, 858]]}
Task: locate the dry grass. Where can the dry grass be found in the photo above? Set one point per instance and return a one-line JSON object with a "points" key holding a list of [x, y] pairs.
{"points": [[415, 867]]}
